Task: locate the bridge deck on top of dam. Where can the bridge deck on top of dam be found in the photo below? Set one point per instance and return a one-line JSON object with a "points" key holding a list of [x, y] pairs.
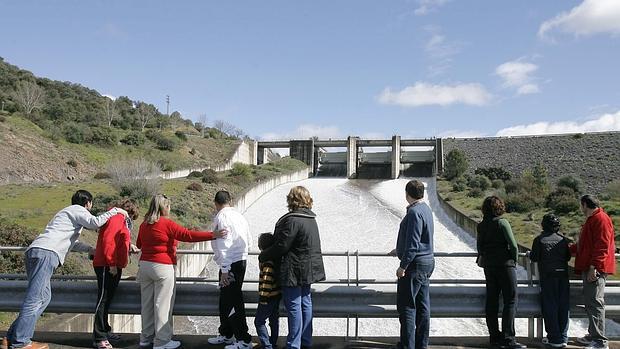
{"points": [[130, 341]]}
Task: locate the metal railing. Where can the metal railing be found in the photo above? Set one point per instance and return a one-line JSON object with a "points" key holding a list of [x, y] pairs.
{"points": [[350, 298]]}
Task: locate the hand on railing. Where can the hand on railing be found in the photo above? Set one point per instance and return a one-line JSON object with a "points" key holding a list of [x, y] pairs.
{"points": [[133, 249]]}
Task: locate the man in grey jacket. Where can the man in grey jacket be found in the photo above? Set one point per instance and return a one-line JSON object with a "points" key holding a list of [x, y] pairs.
{"points": [[44, 255]]}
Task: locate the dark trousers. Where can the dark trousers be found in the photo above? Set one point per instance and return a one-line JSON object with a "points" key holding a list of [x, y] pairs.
{"points": [[232, 307], [554, 295], [106, 284], [501, 280], [414, 305]]}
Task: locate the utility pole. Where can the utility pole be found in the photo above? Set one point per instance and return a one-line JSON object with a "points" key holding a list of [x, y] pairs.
{"points": [[167, 105]]}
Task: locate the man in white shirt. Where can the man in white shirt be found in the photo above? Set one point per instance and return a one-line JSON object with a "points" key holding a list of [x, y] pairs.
{"points": [[44, 255], [231, 254]]}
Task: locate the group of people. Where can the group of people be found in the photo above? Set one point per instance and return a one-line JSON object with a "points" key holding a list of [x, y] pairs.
{"points": [[290, 262]]}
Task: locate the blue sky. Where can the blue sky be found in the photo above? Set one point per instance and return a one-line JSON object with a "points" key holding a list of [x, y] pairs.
{"points": [[293, 69]]}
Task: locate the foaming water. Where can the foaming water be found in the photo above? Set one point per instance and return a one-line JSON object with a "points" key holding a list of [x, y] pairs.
{"points": [[364, 215]]}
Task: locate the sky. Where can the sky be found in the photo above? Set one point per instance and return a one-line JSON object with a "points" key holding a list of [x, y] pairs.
{"points": [[334, 68]]}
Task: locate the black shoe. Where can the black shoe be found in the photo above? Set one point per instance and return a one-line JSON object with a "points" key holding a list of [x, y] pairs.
{"points": [[512, 345]]}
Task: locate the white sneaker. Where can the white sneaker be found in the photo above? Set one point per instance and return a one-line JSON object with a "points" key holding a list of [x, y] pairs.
{"points": [[169, 345], [221, 340], [239, 345]]}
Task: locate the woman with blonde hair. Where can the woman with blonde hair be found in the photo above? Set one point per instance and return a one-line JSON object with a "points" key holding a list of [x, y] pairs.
{"points": [[297, 245], [158, 239]]}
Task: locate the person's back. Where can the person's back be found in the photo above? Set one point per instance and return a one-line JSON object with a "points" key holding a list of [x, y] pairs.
{"points": [[419, 222], [235, 246]]}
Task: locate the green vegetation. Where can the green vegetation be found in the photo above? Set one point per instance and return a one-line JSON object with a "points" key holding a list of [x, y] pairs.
{"points": [[456, 164]]}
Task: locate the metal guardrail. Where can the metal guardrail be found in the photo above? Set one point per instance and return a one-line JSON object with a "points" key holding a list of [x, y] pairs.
{"points": [[343, 298]]}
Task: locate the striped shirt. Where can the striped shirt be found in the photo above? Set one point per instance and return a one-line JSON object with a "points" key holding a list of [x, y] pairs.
{"points": [[268, 287]]}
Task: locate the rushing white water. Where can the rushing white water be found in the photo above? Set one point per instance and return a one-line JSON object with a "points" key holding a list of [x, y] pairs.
{"points": [[364, 215]]}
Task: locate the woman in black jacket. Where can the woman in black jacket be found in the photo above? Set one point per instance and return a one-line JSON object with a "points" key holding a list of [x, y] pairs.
{"points": [[298, 248], [497, 254]]}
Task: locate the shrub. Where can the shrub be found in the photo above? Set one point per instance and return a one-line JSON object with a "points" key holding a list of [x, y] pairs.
{"points": [[241, 170], [494, 173], [475, 193], [166, 143], [2, 119], [481, 182], [613, 190], [210, 176], [103, 136], [571, 182], [101, 203], [459, 184], [72, 163], [76, 133], [194, 187], [180, 135], [456, 164], [521, 202], [563, 200], [137, 179], [102, 175], [134, 138], [12, 234], [195, 174], [497, 184]]}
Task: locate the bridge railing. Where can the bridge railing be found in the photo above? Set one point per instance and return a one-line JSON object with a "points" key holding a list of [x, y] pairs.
{"points": [[351, 297]]}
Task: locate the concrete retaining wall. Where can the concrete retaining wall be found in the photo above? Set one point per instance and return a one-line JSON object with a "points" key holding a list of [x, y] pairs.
{"points": [[187, 265]]}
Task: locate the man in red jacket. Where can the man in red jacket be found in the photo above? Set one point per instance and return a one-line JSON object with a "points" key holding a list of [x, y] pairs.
{"points": [[594, 261]]}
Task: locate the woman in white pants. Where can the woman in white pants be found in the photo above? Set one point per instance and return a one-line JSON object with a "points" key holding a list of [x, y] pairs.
{"points": [[158, 239]]}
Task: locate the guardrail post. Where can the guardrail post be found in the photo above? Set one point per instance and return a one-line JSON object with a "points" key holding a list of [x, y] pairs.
{"points": [[348, 271], [530, 321], [357, 283]]}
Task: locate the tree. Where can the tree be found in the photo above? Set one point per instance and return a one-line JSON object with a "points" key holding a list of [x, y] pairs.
{"points": [[202, 119], [29, 96], [109, 110], [145, 113], [456, 164], [224, 126], [174, 117]]}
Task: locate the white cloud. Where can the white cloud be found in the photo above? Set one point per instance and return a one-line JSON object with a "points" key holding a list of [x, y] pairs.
{"points": [[588, 18], [422, 94], [426, 6], [440, 51], [606, 122], [518, 74], [305, 131]]}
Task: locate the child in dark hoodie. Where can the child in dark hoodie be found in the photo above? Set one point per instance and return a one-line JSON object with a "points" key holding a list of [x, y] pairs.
{"points": [[551, 251]]}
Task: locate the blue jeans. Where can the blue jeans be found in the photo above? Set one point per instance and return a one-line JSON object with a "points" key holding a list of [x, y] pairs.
{"points": [[555, 295], [40, 265], [414, 305], [298, 303], [263, 312]]}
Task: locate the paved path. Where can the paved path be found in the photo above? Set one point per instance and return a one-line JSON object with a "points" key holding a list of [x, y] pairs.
{"points": [[130, 341]]}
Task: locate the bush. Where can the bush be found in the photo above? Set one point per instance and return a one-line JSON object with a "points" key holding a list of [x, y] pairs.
{"points": [[613, 190], [134, 138], [497, 184], [494, 173], [241, 170], [563, 201], [136, 179], [475, 193], [194, 187], [456, 164], [180, 135], [102, 175], [194, 174], [12, 234], [73, 163], [101, 203], [76, 133], [521, 202], [459, 184], [571, 182], [2, 119], [103, 136], [210, 176], [481, 182]]}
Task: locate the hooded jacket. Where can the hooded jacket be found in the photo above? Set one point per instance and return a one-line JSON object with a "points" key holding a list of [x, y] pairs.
{"points": [[297, 245], [596, 245]]}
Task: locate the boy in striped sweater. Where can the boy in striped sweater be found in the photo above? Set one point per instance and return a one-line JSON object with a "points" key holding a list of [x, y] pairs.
{"points": [[269, 297]]}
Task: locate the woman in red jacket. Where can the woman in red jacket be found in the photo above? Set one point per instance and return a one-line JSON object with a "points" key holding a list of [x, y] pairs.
{"points": [[111, 256], [158, 239]]}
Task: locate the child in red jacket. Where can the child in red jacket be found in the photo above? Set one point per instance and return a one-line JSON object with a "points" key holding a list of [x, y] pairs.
{"points": [[111, 256]]}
